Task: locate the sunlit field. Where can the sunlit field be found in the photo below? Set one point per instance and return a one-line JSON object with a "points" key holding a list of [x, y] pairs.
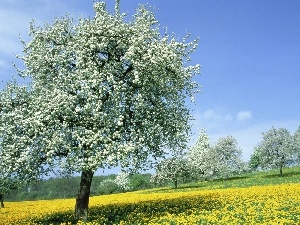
{"points": [[273, 200]]}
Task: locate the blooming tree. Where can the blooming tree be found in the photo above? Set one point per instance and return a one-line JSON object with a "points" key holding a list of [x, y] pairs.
{"points": [[296, 142], [254, 162], [229, 156], [7, 183], [108, 186], [12, 101], [122, 180], [105, 91], [276, 149], [171, 169], [198, 156], [213, 161]]}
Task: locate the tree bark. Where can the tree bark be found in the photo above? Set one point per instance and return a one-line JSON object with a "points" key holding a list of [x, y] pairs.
{"points": [[82, 200], [280, 171], [1, 201]]}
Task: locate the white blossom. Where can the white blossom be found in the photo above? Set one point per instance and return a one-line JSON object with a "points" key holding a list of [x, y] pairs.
{"points": [[213, 161], [276, 149], [123, 181], [104, 91], [172, 169]]}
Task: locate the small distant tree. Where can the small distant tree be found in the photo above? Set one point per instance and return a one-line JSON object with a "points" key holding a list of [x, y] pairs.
{"points": [[140, 181], [123, 181], [108, 186], [296, 142], [228, 157], [105, 91], [198, 156], [254, 162], [170, 169], [276, 149]]}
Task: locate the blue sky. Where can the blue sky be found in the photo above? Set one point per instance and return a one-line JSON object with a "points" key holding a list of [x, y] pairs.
{"points": [[249, 52]]}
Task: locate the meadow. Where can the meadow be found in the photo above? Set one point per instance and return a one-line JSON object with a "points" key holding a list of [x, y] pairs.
{"points": [[254, 198]]}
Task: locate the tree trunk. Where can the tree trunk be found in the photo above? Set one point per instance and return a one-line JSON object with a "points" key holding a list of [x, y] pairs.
{"points": [[175, 183], [1, 201], [280, 171], [82, 200]]}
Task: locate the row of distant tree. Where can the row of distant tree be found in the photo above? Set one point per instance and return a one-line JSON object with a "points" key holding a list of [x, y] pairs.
{"points": [[66, 187], [203, 161], [277, 149]]}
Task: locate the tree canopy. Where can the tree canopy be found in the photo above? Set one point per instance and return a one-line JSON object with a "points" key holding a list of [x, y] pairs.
{"points": [[173, 169], [218, 160], [103, 91], [296, 141], [198, 156], [275, 149]]}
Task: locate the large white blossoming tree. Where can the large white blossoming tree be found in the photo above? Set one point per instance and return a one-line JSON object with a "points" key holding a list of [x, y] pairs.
{"points": [[105, 91], [220, 160], [229, 156], [276, 150], [173, 169]]}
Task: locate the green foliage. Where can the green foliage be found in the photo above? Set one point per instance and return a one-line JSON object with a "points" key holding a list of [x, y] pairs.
{"points": [[53, 188], [108, 186], [254, 162], [140, 181], [66, 187]]}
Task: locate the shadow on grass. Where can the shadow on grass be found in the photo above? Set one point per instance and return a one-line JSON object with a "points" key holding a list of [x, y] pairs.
{"points": [[189, 187], [136, 213], [231, 178], [172, 189], [287, 174], [200, 184]]}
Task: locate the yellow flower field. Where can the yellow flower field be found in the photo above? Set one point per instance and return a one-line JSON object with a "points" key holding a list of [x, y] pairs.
{"points": [[278, 204]]}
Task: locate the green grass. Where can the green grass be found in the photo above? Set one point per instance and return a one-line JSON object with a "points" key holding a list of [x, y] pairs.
{"points": [[113, 213], [260, 178]]}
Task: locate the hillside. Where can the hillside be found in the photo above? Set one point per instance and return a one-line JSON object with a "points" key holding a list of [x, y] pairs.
{"points": [[253, 198], [67, 187]]}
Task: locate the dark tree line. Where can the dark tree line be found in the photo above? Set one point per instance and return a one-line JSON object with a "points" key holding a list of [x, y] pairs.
{"points": [[64, 187]]}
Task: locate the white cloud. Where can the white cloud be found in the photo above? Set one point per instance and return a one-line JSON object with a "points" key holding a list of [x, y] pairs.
{"points": [[244, 115], [210, 114], [211, 120]]}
